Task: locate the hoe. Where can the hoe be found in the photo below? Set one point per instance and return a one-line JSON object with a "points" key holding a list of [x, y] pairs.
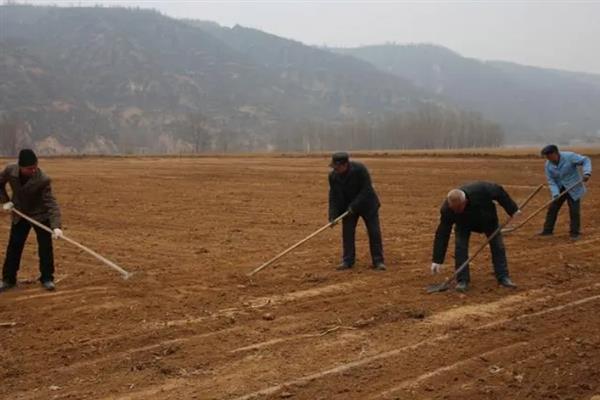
{"points": [[306, 239], [125, 274], [542, 208]]}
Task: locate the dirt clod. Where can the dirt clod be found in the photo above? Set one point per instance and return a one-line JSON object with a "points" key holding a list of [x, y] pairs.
{"points": [[268, 316]]}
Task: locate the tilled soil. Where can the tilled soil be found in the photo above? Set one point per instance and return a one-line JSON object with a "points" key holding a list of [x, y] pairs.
{"points": [[190, 324]]}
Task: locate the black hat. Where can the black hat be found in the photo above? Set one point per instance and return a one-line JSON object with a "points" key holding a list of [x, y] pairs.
{"points": [[27, 158], [549, 149], [338, 158]]}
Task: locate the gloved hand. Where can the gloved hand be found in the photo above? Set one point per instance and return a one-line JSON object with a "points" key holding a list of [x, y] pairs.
{"points": [[586, 177], [57, 233], [350, 210], [8, 206], [435, 268]]}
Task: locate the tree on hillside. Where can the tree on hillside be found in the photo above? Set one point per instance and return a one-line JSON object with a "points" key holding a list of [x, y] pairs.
{"points": [[8, 137], [14, 134], [197, 131]]}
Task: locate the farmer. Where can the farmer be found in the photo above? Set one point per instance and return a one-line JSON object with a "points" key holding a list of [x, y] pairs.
{"points": [[350, 189], [32, 195], [471, 209], [562, 173]]}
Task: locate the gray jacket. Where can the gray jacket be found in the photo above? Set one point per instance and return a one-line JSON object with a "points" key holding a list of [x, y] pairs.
{"points": [[34, 198]]}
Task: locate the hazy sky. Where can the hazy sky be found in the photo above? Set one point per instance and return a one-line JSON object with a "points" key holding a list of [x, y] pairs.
{"points": [[563, 34]]}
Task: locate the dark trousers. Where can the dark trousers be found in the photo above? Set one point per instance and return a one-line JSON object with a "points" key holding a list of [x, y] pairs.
{"points": [[497, 248], [374, 230], [18, 236], [574, 214]]}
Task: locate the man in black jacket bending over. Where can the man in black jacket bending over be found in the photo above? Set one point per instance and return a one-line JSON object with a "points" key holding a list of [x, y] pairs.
{"points": [[471, 209], [350, 189]]}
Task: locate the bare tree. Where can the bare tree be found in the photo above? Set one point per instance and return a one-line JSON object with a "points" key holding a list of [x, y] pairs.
{"points": [[197, 131], [8, 137], [14, 133]]}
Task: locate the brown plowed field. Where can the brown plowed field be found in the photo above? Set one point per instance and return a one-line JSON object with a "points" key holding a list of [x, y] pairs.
{"points": [[191, 325]]}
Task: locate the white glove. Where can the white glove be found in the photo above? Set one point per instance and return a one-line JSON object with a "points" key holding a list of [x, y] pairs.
{"points": [[8, 206], [435, 268], [56, 233]]}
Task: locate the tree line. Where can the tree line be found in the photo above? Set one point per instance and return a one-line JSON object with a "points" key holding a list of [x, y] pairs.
{"points": [[430, 127]]}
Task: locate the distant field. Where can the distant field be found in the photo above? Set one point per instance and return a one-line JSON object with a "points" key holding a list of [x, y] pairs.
{"points": [[191, 325]]}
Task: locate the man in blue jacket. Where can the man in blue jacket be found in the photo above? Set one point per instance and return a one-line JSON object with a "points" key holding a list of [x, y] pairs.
{"points": [[562, 173], [350, 189]]}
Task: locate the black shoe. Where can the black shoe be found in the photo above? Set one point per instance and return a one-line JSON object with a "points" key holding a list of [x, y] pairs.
{"points": [[343, 266], [49, 285], [379, 266], [4, 286], [575, 236], [544, 233], [462, 287], [506, 282]]}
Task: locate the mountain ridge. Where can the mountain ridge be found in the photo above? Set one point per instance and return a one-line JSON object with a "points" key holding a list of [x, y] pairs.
{"points": [[96, 79], [526, 100]]}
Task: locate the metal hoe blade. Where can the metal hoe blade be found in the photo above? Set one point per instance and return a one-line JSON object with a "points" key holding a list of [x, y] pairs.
{"points": [[440, 287]]}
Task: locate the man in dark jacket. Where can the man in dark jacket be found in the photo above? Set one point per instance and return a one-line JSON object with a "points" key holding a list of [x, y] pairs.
{"points": [[471, 209], [32, 195], [350, 189]]}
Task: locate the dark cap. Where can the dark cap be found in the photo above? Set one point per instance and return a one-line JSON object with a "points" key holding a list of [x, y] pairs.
{"points": [[27, 158], [549, 149], [341, 157]]}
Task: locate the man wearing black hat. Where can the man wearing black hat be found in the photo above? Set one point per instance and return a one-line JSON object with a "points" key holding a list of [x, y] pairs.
{"points": [[350, 189], [32, 195], [562, 172]]}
